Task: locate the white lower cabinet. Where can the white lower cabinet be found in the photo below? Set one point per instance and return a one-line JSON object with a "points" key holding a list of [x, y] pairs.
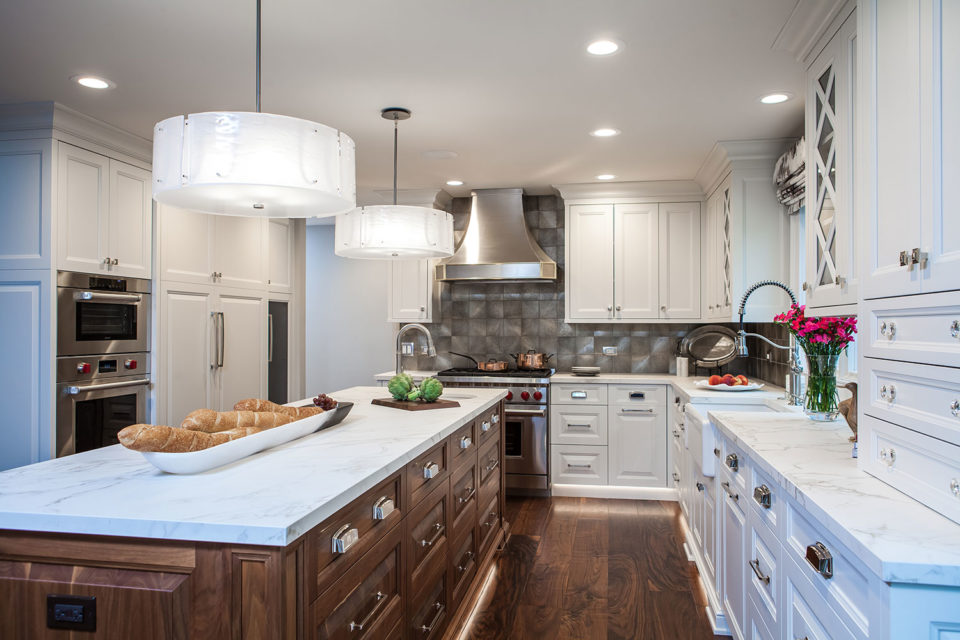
{"points": [[638, 445], [734, 565], [578, 464], [578, 424], [806, 613]]}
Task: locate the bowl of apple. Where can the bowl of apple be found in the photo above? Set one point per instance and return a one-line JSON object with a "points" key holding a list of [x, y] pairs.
{"points": [[728, 382]]}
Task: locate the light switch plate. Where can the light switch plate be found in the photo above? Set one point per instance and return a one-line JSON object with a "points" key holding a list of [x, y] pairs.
{"points": [[406, 348], [609, 351]]}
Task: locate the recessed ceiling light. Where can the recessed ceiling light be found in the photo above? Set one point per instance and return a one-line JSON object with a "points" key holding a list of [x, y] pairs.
{"points": [[93, 82], [603, 47], [455, 183], [606, 176], [776, 98], [605, 133]]}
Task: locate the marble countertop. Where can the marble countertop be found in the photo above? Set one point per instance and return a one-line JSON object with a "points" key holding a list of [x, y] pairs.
{"points": [[686, 386], [271, 498], [417, 375], [895, 536]]}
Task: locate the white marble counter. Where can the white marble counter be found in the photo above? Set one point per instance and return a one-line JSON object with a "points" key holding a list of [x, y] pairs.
{"points": [[895, 536], [686, 386], [417, 376], [271, 498]]}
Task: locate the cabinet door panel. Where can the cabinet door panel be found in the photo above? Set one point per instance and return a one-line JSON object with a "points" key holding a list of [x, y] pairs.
{"points": [[25, 204], [82, 210], [636, 257], [589, 262], [680, 275], [186, 353], [130, 230], [280, 274], [184, 247], [409, 292], [243, 374], [734, 564], [238, 251], [638, 446]]}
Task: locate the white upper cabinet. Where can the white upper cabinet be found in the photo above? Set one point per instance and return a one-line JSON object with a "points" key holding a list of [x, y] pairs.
{"points": [[911, 92], [104, 214], [25, 203], [239, 248], [281, 251], [590, 262], [411, 291], [717, 266], [184, 245], [680, 260], [831, 279], [636, 259]]}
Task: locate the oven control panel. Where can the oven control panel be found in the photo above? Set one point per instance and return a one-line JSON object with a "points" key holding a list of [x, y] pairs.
{"points": [[526, 395], [80, 368]]}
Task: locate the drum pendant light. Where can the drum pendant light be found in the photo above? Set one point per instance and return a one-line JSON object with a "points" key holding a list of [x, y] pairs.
{"points": [[253, 164], [394, 232]]}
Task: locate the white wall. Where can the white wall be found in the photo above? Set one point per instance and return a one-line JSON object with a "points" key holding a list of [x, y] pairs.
{"points": [[348, 339]]}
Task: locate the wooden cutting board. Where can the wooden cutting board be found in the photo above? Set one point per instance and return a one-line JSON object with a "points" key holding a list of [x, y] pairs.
{"points": [[408, 405]]}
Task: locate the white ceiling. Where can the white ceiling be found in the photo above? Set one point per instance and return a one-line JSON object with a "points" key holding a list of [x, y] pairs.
{"points": [[506, 84]]}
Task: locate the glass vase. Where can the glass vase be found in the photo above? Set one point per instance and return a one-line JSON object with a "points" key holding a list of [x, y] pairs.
{"points": [[821, 402]]}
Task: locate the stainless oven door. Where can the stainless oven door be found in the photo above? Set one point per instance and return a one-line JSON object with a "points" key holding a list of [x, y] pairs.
{"points": [[525, 440], [90, 322], [89, 415]]}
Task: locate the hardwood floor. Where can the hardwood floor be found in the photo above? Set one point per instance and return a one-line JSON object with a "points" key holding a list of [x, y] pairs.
{"points": [[584, 569]]}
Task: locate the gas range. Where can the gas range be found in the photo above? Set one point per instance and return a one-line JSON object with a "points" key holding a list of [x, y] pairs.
{"points": [[501, 378]]}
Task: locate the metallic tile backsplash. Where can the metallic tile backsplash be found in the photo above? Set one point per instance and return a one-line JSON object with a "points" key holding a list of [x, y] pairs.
{"points": [[493, 320]]}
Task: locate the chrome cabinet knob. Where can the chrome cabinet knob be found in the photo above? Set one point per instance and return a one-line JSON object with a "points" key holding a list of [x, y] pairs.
{"points": [[733, 462], [383, 508], [676, 477], [805, 286], [955, 487], [663, 308], [955, 408], [618, 307], [820, 559], [430, 470], [888, 393], [904, 259], [888, 456], [609, 307], [466, 442], [889, 330], [495, 418], [955, 329], [484, 426], [763, 496], [345, 537], [700, 486]]}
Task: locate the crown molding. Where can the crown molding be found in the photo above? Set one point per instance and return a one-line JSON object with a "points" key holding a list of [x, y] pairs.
{"points": [[727, 155], [807, 24], [657, 190]]}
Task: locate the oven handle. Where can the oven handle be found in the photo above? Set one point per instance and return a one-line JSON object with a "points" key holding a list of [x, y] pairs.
{"points": [[107, 297], [106, 385], [527, 412]]}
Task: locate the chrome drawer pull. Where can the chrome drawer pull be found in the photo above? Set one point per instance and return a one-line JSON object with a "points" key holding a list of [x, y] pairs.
{"points": [[466, 442], [763, 496], [484, 426], [733, 462], [383, 508], [755, 565], [638, 410], [955, 408], [579, 466], [430, 470], [427, 628], [466, 498], [492, 465], [381, 598], [955, 329], [495, 418], [700, 486], [820, 559], [577, 426], [466, 562], [345, 537], [438, 530], [955, 487], [578, 395], [726, 487]]}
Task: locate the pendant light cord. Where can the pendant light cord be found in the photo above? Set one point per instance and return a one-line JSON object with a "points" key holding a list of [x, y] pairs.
{"points": [[395, 126], [258, 56]]}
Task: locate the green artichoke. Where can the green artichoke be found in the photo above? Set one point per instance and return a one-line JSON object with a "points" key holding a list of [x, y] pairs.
{"points": [[430, 389], [400, 385]]}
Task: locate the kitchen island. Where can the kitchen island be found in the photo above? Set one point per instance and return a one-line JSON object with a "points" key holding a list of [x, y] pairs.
{"points": [[387, 520]]}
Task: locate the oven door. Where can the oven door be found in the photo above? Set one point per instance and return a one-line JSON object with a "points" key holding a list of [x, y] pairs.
{"points": [[90, 415], [525, 440], [90, 322]]}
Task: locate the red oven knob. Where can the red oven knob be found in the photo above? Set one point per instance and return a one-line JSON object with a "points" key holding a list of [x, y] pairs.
{"points": [[509, 395], [525, 395], [83, 367], [130, 364], [537, 395]]}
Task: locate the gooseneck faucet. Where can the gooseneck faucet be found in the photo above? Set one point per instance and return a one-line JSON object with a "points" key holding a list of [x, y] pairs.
{"points": [[430, 351], [794, 382]]}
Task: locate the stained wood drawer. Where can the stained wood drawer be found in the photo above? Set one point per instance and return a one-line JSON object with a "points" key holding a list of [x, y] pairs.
{"points": [[578, 464], [430, 609], [366, 601], [426, 471], [463, 444], [489, 523], [919, 397], [488, 424], [912, 329], [763, 572], [630, 394], [463, 501], [925, 468], [427, 530], [571, 393], [806, 613], [488, 460], [765, 498], [463, 563], [357, 528], [847, 590], [578, 424], [490, 486]]}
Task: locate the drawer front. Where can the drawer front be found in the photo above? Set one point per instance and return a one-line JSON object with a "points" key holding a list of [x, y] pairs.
{"points": [[426, 528], [463, 444], [488, 461], [488, 424], [765, 498], [755, 628], [342, 539], [489, 487], [488, 523], [463, 501], [912, 329], [806, 613], [428, 470], [430, 609], [847, 590], [919, 397], [763, 569], [735, 467], [629, 394], [464, 564], [365, 602], [568, 393], [922, 467], [578, 464], [571, 424]]}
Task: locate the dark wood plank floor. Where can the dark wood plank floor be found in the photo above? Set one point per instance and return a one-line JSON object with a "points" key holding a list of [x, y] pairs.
{"points": [[584, 569]]}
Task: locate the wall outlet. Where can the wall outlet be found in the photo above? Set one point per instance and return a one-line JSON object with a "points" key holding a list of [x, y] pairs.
{"points": [[78, 613], [609, 351]]}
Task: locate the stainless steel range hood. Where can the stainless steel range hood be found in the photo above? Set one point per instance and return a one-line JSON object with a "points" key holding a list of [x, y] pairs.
{"points": [[497, 245]]}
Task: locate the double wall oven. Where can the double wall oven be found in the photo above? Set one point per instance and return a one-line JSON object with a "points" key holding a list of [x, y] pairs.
{"points": [[103, 359]]}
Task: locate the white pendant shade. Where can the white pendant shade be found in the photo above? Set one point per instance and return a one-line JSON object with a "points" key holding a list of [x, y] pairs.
{"points": [[253, 164], [394, 232]]}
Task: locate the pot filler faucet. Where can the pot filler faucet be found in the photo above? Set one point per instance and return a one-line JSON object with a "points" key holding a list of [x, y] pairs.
{"points": [[795, 378], [430, 350]]}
